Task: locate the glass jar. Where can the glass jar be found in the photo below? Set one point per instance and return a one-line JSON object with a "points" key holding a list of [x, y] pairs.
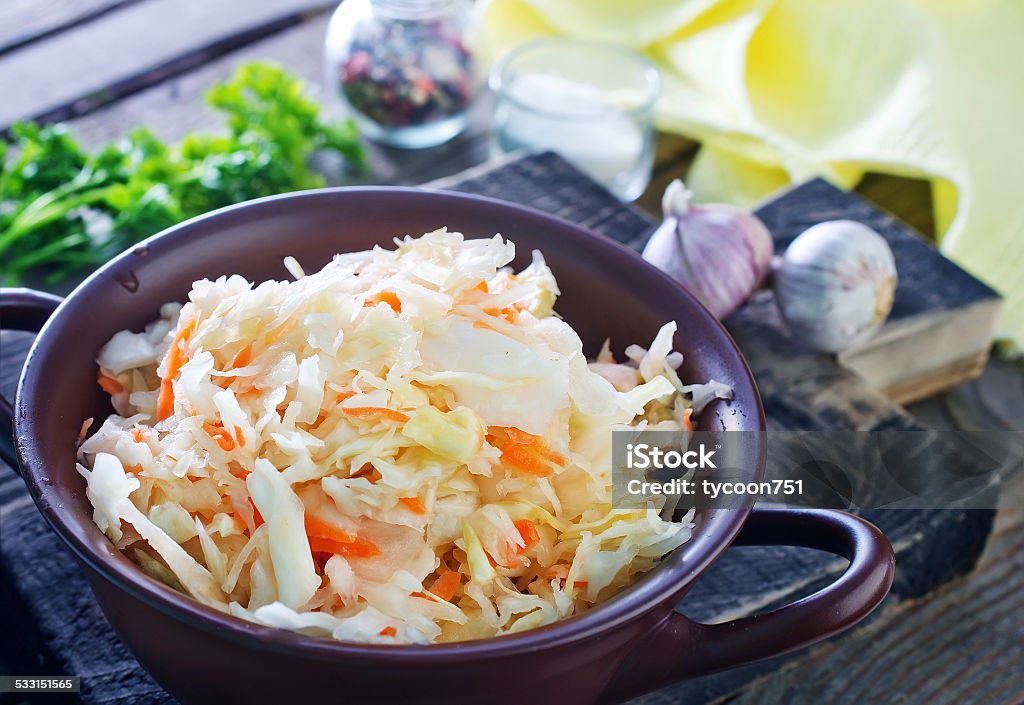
{"points": [[402, 69], [590, 101]]}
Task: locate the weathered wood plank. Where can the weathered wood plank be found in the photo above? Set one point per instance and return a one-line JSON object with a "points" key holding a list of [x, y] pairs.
{"points": [[25, 21], [174, 107], [121, 52]]}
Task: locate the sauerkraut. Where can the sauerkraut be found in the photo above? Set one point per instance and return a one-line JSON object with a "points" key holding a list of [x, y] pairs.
{"points": [[408, 446]]}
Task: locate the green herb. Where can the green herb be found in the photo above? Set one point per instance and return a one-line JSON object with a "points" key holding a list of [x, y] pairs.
{"points": [[63, 210]]}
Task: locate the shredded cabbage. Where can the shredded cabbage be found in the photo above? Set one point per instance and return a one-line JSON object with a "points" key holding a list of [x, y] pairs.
{"points": [[405, 447]]}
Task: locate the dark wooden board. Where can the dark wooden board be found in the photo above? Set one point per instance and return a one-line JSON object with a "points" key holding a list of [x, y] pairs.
{"points": [[119, 53], [928, 282], [943, 319], [932, 546]]}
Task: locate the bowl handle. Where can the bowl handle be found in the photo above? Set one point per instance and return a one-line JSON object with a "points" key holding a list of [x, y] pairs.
{"points": [[680, 648], [28, 310]]}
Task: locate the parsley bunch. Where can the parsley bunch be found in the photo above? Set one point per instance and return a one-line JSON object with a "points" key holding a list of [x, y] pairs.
{"points": [[63, 210]]}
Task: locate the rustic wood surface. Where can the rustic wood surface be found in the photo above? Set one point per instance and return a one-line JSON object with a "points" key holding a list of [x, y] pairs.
{"points": [[22, 22], [964, 643], [118, 53], [161, 84], [961, 644]]}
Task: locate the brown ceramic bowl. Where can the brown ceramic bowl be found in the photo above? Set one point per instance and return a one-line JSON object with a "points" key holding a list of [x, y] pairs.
{"points": [[628, 645]]}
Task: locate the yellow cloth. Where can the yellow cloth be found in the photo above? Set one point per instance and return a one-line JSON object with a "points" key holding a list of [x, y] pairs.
{"points": [[779, 91]]}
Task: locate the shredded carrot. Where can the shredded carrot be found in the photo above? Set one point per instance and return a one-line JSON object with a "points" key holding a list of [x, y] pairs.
{"points": [[109, 385], [527, 452], [84, 429], [528, 530], [388, 631], [220, 434], [176, 353], [482, 286], [139, 434], [522, 459], [175, 359], [688, 419], [388, 297], [365, 412], [580, 584], [511, 313], [413, 504], [257, 518], [508, 313], [447, 585], [240, 437], [321, 545], [133, 469], [243, 358], [343, 396], [548, 454], [559, 570], [359, 548], [319, 528], [165, 400]]}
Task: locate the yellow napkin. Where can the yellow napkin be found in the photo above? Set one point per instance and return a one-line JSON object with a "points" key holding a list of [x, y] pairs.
{"points": [[779, 91]]}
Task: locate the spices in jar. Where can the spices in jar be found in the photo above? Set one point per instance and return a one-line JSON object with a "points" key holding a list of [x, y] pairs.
{"points": [[402, 68]]}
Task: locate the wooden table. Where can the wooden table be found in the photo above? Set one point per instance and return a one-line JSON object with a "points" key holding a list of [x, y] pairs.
{"points": [[110, 65]]}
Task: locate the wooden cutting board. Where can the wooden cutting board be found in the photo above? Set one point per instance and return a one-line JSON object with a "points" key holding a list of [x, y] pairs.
{"points": [[943, 319], [44, 597]]}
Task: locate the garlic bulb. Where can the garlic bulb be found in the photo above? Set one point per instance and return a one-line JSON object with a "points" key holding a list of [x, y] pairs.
{"points": [[835, 284], [719, 253]]}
